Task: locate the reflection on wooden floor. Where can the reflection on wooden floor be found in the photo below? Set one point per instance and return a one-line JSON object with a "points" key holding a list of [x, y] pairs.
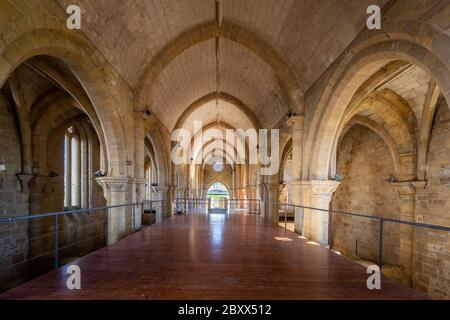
{"points": [[216, 256]]}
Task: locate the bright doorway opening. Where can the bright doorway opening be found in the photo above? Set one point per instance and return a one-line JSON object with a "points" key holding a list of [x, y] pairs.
{"points": [[218, 198]]}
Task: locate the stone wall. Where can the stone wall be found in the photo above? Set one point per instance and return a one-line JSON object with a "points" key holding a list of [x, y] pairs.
{"points": [[13, 200], [431, 262], [365, 163]]}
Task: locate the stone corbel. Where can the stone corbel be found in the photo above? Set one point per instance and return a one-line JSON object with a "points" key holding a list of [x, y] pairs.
{"points": [[24, 182], [409, 189]]}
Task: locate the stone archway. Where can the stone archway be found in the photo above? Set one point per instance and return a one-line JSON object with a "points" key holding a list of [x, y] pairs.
{"points": [[322, 141], [83, 60]]}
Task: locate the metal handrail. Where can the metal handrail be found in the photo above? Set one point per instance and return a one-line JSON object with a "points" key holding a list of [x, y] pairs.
{"points": [[381, 220], [410, 223], [56, 231], [60, 213]]}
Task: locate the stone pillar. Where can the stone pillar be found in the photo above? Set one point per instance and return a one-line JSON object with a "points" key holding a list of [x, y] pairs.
{"points": [[295, 191], [271, 202], [295, 124], [139, 144], [407, 192], [164, 195], [139, 197], [117, 191], [317, 194]]}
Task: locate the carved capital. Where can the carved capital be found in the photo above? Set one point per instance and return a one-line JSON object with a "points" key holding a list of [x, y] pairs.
{"points": [[24, 180], [166, 189], [295, 122], [324, 187], [405, 188], [114, 184], [409, 188]]}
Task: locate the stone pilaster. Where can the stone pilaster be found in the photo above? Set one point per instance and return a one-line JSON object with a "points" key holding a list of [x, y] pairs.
{"points": [[407, 192], [317, 194]]}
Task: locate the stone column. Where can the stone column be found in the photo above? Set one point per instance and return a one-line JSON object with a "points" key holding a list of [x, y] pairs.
{"points": [[295, 192], [295, 124], [166, 204], [407, 192], [317, 194], [139, 198], [139, 144], [270, 202], [117, 191]]}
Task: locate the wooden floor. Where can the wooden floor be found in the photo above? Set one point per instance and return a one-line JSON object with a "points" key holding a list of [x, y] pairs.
{"points": [[197, 256]]}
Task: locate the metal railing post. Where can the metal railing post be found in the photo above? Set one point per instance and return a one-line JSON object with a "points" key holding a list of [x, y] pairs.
{"points": [[285, 218], [151, 213], [133, 212], [380, 245], [107, 225], [55, 243], [330, 227]]}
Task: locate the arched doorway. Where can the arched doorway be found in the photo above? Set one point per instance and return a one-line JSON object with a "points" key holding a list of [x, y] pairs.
{"points": [[218, 197]]}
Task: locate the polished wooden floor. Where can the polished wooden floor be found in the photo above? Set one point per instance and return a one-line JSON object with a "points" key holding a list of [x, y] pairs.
{"points": [[217, 256]]}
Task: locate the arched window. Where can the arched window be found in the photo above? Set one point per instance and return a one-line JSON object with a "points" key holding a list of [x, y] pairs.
{"points": [[72, 169]]}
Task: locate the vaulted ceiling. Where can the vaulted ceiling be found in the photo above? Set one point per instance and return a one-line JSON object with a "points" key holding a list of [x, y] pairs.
{"points": [[306, 35]]}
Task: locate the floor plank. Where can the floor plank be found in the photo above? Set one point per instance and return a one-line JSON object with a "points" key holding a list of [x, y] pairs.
{"points": [[217, 256]]}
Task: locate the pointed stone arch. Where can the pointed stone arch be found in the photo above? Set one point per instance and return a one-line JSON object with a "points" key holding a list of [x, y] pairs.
{"points": [[230, 31], [90, 69]]}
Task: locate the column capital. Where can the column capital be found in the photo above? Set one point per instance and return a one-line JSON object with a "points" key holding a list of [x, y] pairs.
{"points": [[24, 180], [409, 188], [296, 122], [320, 187], [166, 188], [115, 184]]}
